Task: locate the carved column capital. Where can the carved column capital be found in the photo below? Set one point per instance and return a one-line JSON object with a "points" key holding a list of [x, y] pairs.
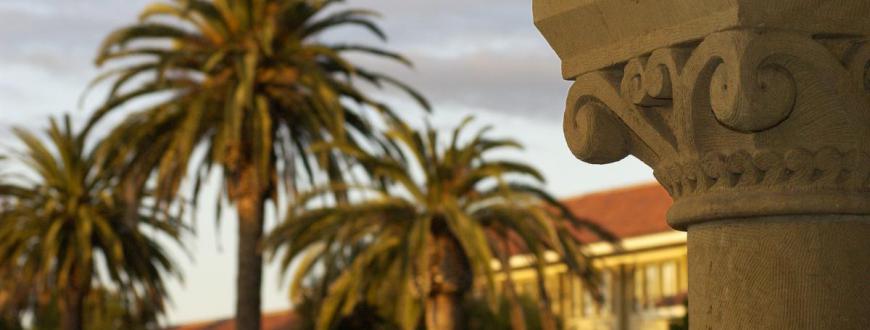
{"points": [[743, 108], [753, 112], [740, 123]]}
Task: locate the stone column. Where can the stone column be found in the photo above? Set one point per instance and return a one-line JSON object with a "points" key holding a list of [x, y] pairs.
{"points": [[755, 116]]}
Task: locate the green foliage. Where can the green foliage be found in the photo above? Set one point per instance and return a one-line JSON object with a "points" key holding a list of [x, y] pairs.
{"points": [[480, 316], [104, 309], [66, 227], [312, 290], [8, 322], [363, 316], [379, 245]]}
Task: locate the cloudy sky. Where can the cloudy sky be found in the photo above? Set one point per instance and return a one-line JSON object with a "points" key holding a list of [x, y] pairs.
{"points": [[480, 57]]}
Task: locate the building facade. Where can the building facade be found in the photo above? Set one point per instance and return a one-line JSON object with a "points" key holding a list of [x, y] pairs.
{"points": [[644, 280]]}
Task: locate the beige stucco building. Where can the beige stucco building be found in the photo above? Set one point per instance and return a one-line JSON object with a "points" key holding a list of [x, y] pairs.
{"points": [[644, 280]]}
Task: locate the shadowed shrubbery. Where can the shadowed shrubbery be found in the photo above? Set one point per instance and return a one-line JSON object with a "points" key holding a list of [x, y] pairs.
{"points": [[479, 316]]}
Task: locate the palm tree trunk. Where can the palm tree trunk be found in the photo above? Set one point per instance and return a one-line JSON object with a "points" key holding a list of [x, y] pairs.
{"points": [[249, 207], [548, 320], [71, 302], [443, 312], [450, 279], [517, 317], [72, 310]]}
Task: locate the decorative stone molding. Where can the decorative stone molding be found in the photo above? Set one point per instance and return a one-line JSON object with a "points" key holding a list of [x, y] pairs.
{"points": [[592, 34], [741, 123]]}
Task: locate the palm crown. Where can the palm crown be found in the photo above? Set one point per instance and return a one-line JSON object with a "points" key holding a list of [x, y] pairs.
{"points": [[248, 79], [432, 224], [67, 230]]}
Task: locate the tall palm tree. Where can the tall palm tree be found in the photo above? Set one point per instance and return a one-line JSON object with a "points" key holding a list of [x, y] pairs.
{"points": [[417, 240], [64, 230], [251, 84]]}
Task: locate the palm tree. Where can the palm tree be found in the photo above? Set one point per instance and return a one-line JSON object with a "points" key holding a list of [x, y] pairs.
{"points": [[64, 230], [13, 295], [433, 223], [252, 85]]}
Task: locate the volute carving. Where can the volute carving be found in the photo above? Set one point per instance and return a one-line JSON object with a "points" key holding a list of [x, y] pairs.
{"points": [[742, 123]]}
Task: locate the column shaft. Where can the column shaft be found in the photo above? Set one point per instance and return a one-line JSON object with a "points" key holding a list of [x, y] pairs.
{"points": [[784, 272]]}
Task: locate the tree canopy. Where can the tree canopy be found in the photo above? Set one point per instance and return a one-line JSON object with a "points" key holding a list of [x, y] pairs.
{"points": [[429, 223]]}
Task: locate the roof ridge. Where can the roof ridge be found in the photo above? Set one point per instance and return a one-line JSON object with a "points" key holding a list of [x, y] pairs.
{"points": [[613, 190]]}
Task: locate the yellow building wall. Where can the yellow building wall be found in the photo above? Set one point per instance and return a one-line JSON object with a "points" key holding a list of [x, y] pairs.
{"points": [[643, 289]]}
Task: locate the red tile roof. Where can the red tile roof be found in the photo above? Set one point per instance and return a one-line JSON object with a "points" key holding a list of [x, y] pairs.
{"points": [[284, 320], [625, 212]]}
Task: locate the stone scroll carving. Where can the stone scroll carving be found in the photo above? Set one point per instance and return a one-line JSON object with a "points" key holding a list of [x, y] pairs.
{"points": [[739, 124]]}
